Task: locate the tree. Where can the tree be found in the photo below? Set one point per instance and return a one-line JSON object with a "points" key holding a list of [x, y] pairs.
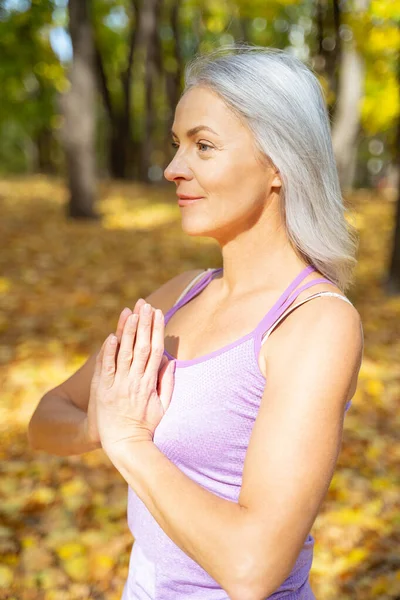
{"points": [[347, 118], [119, 113], [79, 111], [393, 281]]}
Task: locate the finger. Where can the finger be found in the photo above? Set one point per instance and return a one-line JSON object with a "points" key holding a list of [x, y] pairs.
{"points": [[108, 366], [120, 327], [138, 305], [142, 347], [124, 316], [121, 322], [157, 346], [125, 353]]}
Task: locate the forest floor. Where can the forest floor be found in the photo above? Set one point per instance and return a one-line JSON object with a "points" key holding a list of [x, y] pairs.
{"points": [[63, 529]]}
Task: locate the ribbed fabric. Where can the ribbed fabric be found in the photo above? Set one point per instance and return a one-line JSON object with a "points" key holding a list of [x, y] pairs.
{"points": [[205, 433]]}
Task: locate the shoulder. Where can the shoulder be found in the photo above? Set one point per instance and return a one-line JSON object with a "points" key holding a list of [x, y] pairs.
{"points": [[325, 315], [165, 296], [324, 329]]}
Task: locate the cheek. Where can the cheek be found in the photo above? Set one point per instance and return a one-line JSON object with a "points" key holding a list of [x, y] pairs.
{"points": [[221, 173], [234, 179]]}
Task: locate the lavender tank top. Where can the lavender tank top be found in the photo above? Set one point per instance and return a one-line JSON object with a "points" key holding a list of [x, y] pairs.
{"points": [[205, 432]]}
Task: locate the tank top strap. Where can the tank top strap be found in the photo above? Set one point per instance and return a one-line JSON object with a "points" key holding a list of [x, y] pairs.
{"points": [[292, 307], [200, 282], [275, 313], [192, 285]]}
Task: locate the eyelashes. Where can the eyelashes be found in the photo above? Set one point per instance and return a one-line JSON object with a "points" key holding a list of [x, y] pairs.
{"points": [[176, 145]]}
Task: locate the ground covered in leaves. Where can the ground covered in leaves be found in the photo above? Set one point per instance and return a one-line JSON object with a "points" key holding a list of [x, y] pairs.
{"points": [[63, 530]]}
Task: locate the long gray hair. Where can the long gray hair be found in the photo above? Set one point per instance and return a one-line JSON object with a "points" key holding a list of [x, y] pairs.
{"points": [[282, 103]]}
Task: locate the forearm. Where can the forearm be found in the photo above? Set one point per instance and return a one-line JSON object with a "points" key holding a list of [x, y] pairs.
{"points": [[206, 527], [58, 427]]}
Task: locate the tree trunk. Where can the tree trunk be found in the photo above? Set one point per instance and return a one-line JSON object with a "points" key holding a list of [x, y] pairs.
{"points": [[44, 143], [79, 110], [346, 123], [392, 283], [147, 34], [120, 144], [174, 80]]}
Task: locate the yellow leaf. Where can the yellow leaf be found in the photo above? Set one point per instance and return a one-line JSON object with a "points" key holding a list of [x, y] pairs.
{"points": [[75, 493], [5, 285], [77, 568], [43, 495], [374, 387], [100, 566], [28, 541], [357, 556], [68, 551], [6, 576]]}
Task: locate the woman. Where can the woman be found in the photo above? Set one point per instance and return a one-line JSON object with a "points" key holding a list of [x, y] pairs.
{"points": [[229, 458]]}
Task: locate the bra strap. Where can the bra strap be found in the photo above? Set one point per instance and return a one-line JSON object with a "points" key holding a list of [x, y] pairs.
{"points": [[294, 306], [273, 315]]}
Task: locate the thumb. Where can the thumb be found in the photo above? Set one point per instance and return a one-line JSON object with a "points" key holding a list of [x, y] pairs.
{"points": [[99, 362], [108, 366]]}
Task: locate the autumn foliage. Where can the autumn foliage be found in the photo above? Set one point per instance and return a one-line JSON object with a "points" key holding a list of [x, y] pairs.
{"points": [[63, 529]]}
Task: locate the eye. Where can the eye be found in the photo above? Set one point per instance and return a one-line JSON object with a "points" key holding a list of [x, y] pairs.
{"points": [[201, 146], [204, 146]]}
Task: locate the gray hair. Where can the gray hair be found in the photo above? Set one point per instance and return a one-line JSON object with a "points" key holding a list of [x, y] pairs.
{"points": [[282, 102]]}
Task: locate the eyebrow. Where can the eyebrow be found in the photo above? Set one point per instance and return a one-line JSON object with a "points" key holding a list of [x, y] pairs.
{"points": [[194, 130]]}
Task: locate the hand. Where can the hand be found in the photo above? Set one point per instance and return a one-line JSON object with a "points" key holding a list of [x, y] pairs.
{"points": [[135, 389], [90, 423]]}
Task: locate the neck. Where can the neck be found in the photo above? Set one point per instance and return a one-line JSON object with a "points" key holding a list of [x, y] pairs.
{"points": [[260, 256]]}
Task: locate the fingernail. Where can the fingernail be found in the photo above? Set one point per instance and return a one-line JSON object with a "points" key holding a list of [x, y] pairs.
{"points": [[113, 340], [146, 308]]}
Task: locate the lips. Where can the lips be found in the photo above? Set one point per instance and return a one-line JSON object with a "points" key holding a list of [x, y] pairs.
{"points": [[186, 201]]}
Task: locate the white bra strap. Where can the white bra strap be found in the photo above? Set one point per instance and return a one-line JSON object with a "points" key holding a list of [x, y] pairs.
{"points": [[289, 310], [191, 284]]}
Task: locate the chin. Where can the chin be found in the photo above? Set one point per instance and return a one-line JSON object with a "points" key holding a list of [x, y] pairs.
{"points": [[195, 228]]}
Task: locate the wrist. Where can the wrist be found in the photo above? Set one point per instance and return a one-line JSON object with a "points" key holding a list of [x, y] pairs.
{"points": [[133, 451], [87, 439], [132, 460]]}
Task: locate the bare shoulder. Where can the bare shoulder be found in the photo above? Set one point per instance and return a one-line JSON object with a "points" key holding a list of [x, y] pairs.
{"points": [[330, 321], [324, 327]]}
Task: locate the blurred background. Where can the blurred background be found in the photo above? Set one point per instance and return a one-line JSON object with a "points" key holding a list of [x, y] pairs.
{"points": [[87, 97]]}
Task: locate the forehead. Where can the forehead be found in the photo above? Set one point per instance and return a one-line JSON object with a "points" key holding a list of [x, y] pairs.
{"points": [[200, 105]]}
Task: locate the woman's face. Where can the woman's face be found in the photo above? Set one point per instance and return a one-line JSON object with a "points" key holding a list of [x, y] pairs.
{"points": [[217, 161]]}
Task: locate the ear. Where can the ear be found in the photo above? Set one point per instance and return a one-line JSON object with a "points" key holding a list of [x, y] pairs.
{"points": [[276, 180]]}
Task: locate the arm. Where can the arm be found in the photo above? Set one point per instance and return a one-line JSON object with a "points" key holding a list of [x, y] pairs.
{"points": [[250, 547], [58, 424]]}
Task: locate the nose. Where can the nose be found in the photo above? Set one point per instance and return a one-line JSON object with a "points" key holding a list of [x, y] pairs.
{"points": [[177, 169]]}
